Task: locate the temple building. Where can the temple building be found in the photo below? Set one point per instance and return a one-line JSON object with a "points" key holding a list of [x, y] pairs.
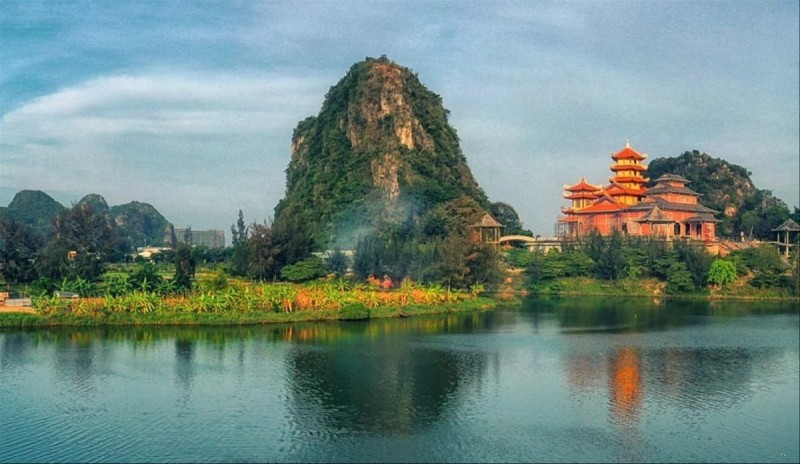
{"points": [[668, 209]]}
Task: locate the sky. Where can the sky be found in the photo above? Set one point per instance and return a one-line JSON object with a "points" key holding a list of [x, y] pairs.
{"points": [[190, 105]]}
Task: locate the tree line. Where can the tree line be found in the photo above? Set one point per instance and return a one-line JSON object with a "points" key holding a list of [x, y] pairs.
{"points": [[685, 267]]}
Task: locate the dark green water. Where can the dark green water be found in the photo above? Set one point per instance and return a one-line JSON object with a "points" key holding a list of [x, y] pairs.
{"points": [[559, 380]]}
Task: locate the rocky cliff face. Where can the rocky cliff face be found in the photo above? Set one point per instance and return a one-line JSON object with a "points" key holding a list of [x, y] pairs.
{"points": [[380, 151]]}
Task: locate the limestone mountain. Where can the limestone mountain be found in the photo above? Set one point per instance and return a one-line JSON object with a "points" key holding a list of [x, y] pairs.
{"points": [[142, 224], [35, 209], [380, 152], [727, 188], [137, 223]]}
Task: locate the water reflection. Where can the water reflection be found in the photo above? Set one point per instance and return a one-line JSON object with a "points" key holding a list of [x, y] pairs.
{"points": [[628, 315], [390, 386], [184, 362], [625, 384], [557, 380]]}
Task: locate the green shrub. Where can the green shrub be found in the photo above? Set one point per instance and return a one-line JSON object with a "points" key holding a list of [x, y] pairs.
{"points": [[354, 312], [306, 269]]}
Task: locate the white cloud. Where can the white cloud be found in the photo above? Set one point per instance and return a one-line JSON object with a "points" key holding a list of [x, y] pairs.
{"points": [[189, 144]]}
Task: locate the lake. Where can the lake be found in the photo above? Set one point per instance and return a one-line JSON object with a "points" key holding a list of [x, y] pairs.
{"points": [[577, 379]]}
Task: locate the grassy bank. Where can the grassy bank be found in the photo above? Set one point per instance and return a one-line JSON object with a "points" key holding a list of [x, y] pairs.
{"points": [[651, 287], [234, 317]]}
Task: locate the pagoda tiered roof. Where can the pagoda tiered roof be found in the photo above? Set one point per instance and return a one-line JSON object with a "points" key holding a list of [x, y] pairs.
{"points": [[629, 167], [616, 189], [640, 180], [582, 186], [580, 195], [604, 203], [628, 153]]}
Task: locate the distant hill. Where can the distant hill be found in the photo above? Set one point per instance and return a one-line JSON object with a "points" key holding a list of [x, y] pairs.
{"points": [[35, 209], [142, 224], [138, 223], [727, 188], [380, 154]]}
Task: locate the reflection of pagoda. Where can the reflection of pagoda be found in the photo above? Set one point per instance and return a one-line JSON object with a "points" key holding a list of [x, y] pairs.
{"points": [[668, 209]]}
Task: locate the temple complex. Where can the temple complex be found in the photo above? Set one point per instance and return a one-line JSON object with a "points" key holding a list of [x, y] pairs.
{"points": [[667, 209]]}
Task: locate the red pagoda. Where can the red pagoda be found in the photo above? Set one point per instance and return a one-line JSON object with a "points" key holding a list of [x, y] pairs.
{"points": [[668, 209]]}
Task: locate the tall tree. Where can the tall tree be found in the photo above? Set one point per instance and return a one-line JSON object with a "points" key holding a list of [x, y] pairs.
{"points": [[19, 246], [240, 257], [184, 263], [84, 242], [263, 253]]}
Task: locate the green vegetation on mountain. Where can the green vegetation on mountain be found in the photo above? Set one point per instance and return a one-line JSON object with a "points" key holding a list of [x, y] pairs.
{"points": [[35, 209], [141, 224], [381, 152], [380, 171], [728, 189]]}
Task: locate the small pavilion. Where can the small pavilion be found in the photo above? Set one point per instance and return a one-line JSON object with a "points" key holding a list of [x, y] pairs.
{"points": [[487, 230], [787, 228]]}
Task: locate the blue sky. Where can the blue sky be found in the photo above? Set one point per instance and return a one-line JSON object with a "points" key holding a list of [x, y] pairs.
{"points": [[190, 106]]}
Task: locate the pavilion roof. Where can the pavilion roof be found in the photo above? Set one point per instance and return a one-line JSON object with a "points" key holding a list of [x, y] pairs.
{"points": [[672, 178], [702, 217], [665, 205], [488, 221], [656, 216], [788, 226], [666, 188]]}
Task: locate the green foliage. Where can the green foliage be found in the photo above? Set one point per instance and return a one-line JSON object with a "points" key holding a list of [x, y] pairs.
{"points": [[146, 279], [117, 285], [19, 246], [42, 286], [337, 263], [722, 272], [78, 285], [332, 194], [506, 215], [518, 257], [556, 264], [607, 253], [303, 270], [141, 224], [218, 284], [239, 262], [354, 312], [184, 267], [263, 253], [697, 261], [35, 209]]}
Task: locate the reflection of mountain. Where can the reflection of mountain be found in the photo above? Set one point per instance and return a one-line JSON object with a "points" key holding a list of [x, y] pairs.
{"points": [[385, 385]]}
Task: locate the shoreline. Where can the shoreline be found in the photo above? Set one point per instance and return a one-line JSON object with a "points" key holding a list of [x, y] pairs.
{"points": [[33, 319]]}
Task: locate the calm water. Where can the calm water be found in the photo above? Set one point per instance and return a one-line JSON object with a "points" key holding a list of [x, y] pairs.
{"points": [[569, 380]]}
